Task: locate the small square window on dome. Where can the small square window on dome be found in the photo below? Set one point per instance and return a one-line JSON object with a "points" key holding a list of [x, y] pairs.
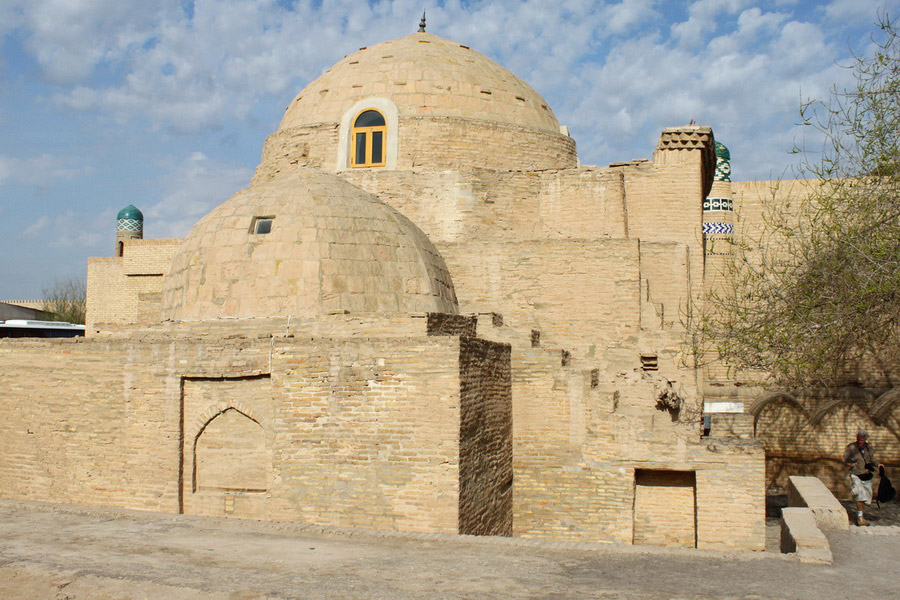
{"points": [[261, 225]]}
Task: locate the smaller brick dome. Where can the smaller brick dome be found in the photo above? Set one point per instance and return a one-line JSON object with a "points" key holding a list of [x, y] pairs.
{"points": [[303, 245]]}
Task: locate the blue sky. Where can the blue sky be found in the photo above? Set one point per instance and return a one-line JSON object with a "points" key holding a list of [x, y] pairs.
{"points": [[166, 104]]}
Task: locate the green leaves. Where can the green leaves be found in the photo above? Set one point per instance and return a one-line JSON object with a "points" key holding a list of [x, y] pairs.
{"points": [[815, 294]]}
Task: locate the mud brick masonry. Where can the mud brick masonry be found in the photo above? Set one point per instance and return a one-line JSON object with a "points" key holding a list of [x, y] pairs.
{"points": [[423, 315]]}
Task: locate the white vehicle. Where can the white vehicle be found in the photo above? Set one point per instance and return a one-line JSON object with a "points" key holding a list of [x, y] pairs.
{"points": [[19, 328]]}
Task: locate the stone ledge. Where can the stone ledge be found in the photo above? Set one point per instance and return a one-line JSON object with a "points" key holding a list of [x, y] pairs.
{"points": [[827, 511], [800, 534]]}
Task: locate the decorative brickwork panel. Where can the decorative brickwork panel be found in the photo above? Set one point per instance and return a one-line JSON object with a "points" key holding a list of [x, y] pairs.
{"points": [[808, 435], [231, 454], [227, 446]]}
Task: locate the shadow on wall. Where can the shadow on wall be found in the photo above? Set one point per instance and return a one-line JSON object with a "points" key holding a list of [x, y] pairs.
{"points": [[805, 432]]}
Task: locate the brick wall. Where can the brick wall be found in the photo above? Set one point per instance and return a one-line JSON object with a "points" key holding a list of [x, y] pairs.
{"points": [[128, 289], [664, 508], [807, 435], [361, 431], [82, 425], [106, 299], [577, 447], [485, 438], [434, 143], [531, 284]]}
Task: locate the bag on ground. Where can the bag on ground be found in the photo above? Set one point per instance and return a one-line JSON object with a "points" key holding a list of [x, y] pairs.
{"points": [[886, 491]]}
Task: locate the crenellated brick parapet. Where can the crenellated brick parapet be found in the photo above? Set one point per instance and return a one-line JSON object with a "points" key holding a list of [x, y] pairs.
{"points": [[676, 144]]}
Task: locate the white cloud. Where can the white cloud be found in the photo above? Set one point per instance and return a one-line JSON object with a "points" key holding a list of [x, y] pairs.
{"points": [[69, 38], [40, 171], [856, 11], [701, 24], [72, 229], [196, 74], [35, 228], [625, 15], [615, 72], [195, 187]]}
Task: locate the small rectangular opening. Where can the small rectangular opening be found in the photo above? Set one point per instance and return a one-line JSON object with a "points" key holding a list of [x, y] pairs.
{"points": [[649, 362], [535, 338], [261, 225], [595, 378], [565, 358]]}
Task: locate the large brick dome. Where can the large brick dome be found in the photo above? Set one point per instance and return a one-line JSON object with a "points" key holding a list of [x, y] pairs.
{"points": [[424, 75], [303, 245], [445, 107]]}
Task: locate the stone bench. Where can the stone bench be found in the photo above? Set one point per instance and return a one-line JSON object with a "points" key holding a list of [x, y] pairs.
{"points": [[811, 493], [801, 534]]}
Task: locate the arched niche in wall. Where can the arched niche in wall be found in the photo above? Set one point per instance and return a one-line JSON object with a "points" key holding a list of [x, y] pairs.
{"points": [[230, 453], [392, 118]]}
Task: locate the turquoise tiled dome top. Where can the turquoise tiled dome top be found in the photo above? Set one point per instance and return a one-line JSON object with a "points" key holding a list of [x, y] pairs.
{"points": [[131, 212], [723, 163], [130, 219], [721, 152]]}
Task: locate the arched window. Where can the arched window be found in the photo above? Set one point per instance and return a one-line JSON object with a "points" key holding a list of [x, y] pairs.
{"points": [[368, 140]]}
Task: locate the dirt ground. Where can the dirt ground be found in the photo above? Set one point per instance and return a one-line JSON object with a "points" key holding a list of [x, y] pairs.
{"points": [[58, 552], [879, 515]]}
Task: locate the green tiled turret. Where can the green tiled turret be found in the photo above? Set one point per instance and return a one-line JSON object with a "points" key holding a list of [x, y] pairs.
{"points": [[129, 226], [723, 163], [130, 219]]}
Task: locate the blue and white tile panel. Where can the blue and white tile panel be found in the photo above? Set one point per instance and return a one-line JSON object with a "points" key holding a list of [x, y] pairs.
{"points": [[720, 204], [726, 228], [129, 225], [723, 171]]}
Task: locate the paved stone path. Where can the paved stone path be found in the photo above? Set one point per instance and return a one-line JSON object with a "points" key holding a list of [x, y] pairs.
{"points": [[78, 553]]}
